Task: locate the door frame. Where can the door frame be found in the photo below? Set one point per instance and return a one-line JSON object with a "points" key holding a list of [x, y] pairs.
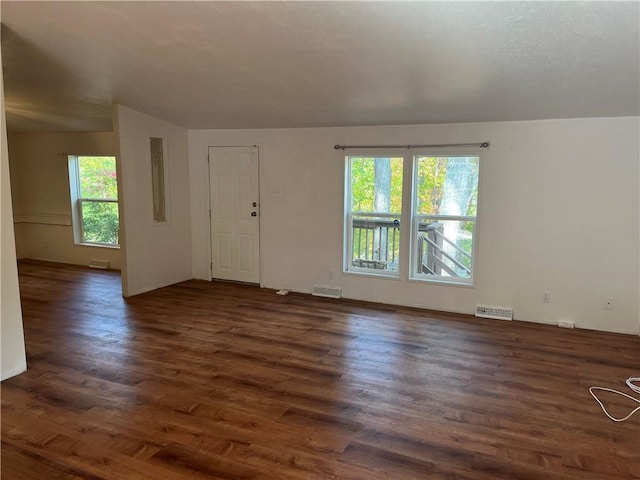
{"points": [[210, 229]]}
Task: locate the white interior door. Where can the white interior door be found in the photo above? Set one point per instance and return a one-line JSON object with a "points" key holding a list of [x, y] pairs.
{"points": [[235, 213]]}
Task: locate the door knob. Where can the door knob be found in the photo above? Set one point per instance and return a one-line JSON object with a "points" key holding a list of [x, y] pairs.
{"points": [[254, 214], [254, 204]]}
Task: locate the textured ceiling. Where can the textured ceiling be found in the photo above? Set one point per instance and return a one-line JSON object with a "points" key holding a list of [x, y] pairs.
{"points": [[303, 64]]}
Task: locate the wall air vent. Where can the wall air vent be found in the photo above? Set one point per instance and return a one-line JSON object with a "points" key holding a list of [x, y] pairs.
{"points": [[101, 264], [325, 291], [499, 313]]}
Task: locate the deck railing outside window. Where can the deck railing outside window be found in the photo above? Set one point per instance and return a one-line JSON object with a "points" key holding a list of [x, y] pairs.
{"points": [[376, 246]]}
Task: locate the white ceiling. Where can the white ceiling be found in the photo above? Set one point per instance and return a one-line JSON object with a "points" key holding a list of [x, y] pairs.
{"points": [[305, 64]]}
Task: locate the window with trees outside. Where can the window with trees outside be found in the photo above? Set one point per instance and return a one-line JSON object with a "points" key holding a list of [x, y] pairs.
{"points": [[94, 200], [374, 213], [442, 200]]}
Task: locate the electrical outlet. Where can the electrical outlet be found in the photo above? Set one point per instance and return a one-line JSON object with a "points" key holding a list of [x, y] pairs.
{"points": [[608, 303], [546, 297]]}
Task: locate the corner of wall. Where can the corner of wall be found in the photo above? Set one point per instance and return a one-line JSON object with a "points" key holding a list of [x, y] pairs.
{"points": [[13, 355], [115, 116], [153, 255]]}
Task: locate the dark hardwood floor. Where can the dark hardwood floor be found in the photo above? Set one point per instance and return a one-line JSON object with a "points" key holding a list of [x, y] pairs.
{"points": [[219, 381]]}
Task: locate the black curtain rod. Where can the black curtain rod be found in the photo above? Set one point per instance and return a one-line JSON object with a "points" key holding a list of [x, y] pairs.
{"points": [[442, 145]]}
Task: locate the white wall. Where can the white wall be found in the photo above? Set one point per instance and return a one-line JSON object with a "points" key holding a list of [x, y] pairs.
{"points": [[41, 198], [154, 255], [558, 211], [13, 358]]}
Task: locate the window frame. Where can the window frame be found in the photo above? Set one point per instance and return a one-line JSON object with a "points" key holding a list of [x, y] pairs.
{"points": [[415, 276], [77, 200], [407, 256], [348, 268]]}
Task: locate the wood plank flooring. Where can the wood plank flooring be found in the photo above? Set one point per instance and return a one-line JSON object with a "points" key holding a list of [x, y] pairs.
{"points": [[219, 381]]}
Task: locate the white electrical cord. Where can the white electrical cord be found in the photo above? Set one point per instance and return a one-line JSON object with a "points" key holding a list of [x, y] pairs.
{"points": [[632, 386]]}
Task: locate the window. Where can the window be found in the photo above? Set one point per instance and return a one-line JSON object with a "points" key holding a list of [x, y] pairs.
{"points": [[442, 200], [445, 199], [374, 210], [94, 200]]}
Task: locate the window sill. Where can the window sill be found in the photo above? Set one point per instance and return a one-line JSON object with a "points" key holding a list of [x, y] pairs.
{"points": [[441, 283], [98, 245], [384, 276]]}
